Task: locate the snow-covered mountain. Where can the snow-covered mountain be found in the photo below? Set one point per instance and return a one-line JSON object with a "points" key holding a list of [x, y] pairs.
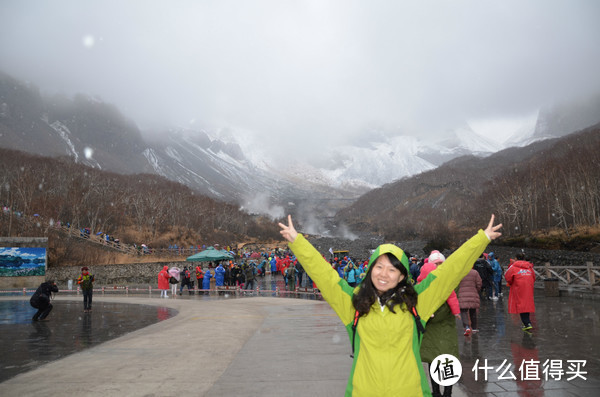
{"points": [[221, 165], [222, 170], [381, 162], [455, 142], [522, 136], [348, 168]]}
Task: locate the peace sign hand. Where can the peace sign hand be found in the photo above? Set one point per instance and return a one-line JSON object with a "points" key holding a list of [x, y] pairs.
{"points": [[288, 232], [490, 231]]}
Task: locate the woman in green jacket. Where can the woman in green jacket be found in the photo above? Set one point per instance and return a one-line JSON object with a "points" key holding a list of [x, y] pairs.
{"points": [[386, 341]]}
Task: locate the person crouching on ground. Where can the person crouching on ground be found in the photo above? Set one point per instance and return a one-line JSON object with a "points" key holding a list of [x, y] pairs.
{"points": [[85, 281], [381, 315], [41, 300]]}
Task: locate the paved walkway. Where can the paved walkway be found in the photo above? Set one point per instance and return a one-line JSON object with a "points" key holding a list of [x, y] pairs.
{"points": [[264, 346], [242, 347]]}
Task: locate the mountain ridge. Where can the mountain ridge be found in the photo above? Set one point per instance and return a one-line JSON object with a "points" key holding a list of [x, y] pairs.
{"points": [[97, 134]]}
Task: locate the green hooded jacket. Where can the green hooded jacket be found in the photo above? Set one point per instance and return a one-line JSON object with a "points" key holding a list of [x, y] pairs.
{"points": [[387, 359]]}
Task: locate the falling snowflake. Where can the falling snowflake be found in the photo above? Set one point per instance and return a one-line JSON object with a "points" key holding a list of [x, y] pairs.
{"points": [[88, 41], [88, 152]]}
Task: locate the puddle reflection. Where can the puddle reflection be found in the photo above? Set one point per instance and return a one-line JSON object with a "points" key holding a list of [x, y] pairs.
{"points": [[27, 344]]}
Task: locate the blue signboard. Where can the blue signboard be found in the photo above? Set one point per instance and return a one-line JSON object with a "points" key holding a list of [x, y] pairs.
{"points": [[21, 261]]}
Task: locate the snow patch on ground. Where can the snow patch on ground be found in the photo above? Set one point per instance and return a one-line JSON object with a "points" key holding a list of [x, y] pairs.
{"points": [[64, 133]]}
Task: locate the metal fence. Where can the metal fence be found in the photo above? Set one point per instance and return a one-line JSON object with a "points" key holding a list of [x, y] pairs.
{"points": [[300, 292]]}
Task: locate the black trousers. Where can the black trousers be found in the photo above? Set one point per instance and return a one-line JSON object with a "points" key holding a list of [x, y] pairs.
{"points": [[87, 299], [466, 314], [42, 312]]}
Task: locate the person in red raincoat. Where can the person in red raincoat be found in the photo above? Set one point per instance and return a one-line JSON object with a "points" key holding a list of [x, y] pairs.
{"points": [[520, 278], [163, 282]]}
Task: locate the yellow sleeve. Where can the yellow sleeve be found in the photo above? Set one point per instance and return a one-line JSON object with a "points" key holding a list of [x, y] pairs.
{"points": [[335, 290], [437, 286]]}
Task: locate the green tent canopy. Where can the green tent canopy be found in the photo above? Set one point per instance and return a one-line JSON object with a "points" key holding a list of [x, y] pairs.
{"points": [[210, 255]]}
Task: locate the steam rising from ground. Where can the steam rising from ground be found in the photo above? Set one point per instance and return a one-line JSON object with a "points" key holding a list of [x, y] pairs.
{"points": [[261, 204], [309, 217], [311, 222]]}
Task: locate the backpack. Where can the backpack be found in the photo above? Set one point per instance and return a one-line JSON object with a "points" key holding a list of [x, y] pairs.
{"points": [[290, 273]]}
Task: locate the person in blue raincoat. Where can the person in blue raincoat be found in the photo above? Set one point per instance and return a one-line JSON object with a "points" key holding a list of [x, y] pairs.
{"points": [[351, 274], [206, 280], [497, 269], [220, 276], [263, 267], [273, 263]]}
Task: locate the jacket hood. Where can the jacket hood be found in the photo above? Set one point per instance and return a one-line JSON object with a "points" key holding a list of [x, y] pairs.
{"points": [[390, 249], [523, 264]]}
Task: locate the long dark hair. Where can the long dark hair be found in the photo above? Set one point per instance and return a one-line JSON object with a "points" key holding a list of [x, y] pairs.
{"points": [[403, 294]]}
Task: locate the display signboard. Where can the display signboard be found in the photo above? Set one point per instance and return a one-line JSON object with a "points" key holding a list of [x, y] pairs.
{"points": [[22, 261]]}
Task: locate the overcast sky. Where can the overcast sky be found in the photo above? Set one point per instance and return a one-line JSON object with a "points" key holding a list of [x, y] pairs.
{"points": [[302, 72]]}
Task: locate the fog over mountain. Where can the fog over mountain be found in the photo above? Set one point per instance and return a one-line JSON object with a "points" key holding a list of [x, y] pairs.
{"points": [[301, 105], [301, 80]]}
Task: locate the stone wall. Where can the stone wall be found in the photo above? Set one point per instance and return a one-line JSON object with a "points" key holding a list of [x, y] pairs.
{"points": [[361, 249], [11, 283], [539, 257], [132, 274], [144, 274]]}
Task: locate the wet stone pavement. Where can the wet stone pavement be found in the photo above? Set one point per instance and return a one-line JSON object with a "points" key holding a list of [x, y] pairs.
{"points": [[566, 332], [28, 344], [560, 357], [552, 360]]}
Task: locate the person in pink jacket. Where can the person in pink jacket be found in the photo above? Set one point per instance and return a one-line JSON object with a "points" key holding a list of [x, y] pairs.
{"points": [[436, 258], [175, 278], [469, 300], [440, 336], [520, 278], [163, 282]]}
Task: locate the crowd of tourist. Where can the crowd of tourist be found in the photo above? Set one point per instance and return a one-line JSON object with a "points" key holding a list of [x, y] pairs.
{"points": [[353, 286]]}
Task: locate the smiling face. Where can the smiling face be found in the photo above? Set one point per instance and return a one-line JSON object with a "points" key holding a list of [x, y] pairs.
{"points": [[384, 275]]}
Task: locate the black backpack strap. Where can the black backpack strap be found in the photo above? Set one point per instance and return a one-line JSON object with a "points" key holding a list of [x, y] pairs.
{"points": [[354, 324]]}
